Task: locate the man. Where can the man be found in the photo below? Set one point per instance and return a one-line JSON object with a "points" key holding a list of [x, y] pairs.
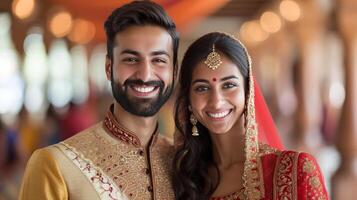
{"points": [[122, 157]]}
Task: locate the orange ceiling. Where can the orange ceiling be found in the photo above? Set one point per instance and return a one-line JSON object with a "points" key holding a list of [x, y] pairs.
{"points": [[184, 12]]}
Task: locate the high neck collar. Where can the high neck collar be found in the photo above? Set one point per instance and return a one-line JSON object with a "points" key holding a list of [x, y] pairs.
{"points": [[119, 131]]}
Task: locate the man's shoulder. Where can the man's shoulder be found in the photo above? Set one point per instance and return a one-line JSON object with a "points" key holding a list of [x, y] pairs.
{"points": [[98, 127]]}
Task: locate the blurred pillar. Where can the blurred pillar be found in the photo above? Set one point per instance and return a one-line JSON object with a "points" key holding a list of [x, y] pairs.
{"points": [[345, 178], [309, 30]]}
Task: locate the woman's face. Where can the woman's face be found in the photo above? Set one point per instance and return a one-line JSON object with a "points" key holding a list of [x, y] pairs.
{"points": [[217, 96]]}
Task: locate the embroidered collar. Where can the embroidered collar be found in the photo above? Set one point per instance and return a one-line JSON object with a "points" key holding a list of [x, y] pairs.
{"points": [[118, 131]]}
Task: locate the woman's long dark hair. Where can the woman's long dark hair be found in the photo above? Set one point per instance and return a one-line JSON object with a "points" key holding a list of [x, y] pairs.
{"points": [[194, 157]]}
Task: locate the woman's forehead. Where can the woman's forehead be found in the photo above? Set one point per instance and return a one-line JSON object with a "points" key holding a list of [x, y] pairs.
{"points": [[226, 68]]}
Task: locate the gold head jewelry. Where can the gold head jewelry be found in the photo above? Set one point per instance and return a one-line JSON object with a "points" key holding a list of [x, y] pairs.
{"points": [[213, 59]]}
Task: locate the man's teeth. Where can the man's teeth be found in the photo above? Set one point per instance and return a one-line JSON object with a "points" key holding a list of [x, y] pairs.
{"points": [[219, 115], [144, 89]]}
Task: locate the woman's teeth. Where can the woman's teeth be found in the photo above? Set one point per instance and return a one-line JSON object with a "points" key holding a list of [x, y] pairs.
{"points": [[219, 114]]}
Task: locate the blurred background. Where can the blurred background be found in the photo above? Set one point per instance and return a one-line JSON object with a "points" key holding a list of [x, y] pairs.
{"points": [[53, 83]]}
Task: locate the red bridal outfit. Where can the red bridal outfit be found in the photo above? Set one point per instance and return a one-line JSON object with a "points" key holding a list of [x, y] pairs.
{"points": [[270, 172], [277, 174]]}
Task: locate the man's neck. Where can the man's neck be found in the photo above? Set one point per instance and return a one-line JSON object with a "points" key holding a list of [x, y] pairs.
{"points": [[142, 127]]}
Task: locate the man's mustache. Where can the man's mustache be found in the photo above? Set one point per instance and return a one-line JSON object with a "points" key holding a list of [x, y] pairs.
{"points": [[141, 82]]}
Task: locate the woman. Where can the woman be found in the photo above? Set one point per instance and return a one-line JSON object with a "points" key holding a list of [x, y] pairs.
{"points": [[220, 156]]}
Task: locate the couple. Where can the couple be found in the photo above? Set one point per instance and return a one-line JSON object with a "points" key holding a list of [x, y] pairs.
{"points": [[216, 154]]}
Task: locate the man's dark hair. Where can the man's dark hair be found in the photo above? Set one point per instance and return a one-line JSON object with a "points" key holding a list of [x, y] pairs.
{"points": [[139, 13]]}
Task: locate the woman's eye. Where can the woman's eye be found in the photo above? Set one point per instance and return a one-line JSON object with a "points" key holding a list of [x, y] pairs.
{"points": [[229, 85], [201, 88]]}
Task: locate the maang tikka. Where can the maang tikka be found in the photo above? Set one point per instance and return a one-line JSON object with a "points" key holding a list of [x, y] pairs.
{"points": [[213, 59]]}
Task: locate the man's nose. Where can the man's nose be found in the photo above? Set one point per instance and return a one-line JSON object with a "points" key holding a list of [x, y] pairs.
{"points": [[144, 71]]}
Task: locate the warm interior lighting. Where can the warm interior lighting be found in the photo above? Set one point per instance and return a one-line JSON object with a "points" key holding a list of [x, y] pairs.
{"points": [[270, 22], [60, 24], [252, 32], [83, 31], [290, 10], [23, 9]]}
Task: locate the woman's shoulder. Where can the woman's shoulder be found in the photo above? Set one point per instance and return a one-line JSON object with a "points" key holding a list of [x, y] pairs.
{"points": [[296, 171], [303, 162], [266, 149]]}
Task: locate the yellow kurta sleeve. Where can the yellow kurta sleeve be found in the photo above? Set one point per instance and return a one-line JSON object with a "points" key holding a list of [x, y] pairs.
{"points": [[43, 179]]}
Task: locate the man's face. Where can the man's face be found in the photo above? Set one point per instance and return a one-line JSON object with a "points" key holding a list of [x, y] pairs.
{"points": [[141, 71]]}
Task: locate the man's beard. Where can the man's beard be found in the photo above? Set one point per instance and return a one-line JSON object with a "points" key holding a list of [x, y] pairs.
{"points": [[140, 106]]}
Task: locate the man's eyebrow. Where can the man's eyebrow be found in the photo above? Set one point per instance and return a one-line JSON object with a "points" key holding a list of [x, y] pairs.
{"points": [[136, 53], [128, 51], [160, 52]]}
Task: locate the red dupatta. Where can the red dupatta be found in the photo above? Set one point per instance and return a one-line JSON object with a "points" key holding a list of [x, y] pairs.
{"points": [[267, 132]]}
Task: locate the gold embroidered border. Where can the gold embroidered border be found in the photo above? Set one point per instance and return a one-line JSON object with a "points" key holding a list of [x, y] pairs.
{"points": [[285, 176], [103, 185], [118, 131]]}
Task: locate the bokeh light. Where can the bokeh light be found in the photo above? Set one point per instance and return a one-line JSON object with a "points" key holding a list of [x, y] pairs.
{"points": [[83, 31], [251, 31], [23, 9], [270, 22], [60, 24], [290, 10]]}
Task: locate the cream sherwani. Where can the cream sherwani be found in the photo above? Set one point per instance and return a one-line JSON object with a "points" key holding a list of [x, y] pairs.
{"points": [[105, 161]]}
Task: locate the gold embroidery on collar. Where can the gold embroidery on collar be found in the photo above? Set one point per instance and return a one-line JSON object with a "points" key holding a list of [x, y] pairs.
{"points": [[118, 131]]}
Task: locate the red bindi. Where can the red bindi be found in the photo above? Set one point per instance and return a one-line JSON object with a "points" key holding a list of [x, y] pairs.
{"points": [[214, 79]]}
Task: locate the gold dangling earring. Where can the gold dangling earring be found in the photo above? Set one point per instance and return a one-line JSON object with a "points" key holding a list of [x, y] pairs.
{"points": [[193, 121]]}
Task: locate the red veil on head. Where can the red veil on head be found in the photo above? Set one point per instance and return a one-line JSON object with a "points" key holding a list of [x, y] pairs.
{"points": [[267, 132]]}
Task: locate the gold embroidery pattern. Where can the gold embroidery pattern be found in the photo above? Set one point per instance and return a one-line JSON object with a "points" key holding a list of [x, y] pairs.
{"points": [[315, 182], [252, 174], [265, 149], [311, 174], [308, 167], [285, 178], [161, 172], [119, 132], [104, 186], [125, 164]]}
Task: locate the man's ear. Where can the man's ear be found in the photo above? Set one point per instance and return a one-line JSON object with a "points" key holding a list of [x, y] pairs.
{"points": [[108, 68]]}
